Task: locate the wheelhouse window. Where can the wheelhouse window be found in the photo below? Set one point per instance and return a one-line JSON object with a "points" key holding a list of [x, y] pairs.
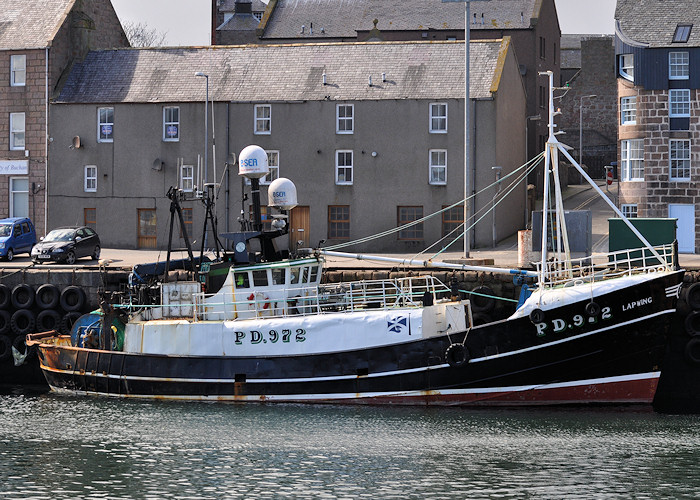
{"points": [[187, 178], [438, 118], [339, 222], [343, 167], [17, 131], [678, 65], [263, 119], [407, 215], [627, 66], [18, 70], [438, 167], [629, 210], [90, 184], [682, 33], [679, 103], [344, 118], [171, 123], [632, 159], [105, 125], [679, 155], [628, 110]]}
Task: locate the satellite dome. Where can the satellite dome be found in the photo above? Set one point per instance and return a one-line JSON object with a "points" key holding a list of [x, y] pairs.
{"points": [[282, 194], [252, 162]]}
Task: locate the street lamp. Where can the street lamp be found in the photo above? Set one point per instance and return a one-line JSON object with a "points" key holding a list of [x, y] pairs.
{"points": [[580, 126], [206, 126]]}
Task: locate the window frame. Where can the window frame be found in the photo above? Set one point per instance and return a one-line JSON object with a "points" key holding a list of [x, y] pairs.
{"points": [[90, 217], [433, 117], [274, 167], [187, 220], [345, 119], [629, 210], [262, 119], [675, 102], [626, 167], [417, 231], [683, 66], [629, 110], [338, 225], [15, 70], [686, 163], [448, 221], [90, 181], [169, 123], [189, 178], [345, 168], [626, 61], [680, 35], [16, 132], [100, 123], [16, 191], [433, 167]]}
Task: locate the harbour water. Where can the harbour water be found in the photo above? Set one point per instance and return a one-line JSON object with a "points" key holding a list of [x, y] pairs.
{"points": [[63, 447]]}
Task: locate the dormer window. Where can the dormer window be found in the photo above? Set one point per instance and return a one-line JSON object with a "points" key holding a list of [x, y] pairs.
{"points": [[682, 33], [627, 66]]}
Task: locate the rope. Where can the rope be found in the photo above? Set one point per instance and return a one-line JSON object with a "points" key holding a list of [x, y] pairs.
{"points": [[488, 296]]}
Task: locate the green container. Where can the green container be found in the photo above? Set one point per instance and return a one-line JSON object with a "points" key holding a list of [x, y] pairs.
{"points": [[657, 231]]}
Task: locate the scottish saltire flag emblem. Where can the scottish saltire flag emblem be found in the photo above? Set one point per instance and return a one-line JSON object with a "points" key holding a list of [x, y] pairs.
{"points": [[397, 324]]}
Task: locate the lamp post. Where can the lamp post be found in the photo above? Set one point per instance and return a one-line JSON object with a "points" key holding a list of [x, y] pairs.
{"points": [[580, 126], [527, 159], [206, 125]]}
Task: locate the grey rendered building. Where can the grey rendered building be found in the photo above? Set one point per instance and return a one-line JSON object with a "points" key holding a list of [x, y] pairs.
{"points": [[371, 133]]}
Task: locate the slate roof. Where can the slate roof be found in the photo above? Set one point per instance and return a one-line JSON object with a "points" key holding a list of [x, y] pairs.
{"points": [[31, 24], [267, 73], [342, 18], [240, 22], [230, 5], [653, 22]]}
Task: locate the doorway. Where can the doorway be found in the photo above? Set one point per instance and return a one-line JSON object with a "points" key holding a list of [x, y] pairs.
{"points": [[147, 228], [299, 226], [685, 227]]}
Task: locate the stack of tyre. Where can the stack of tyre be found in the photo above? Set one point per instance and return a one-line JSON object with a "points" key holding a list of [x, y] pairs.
{"points": [[692, 324], [24, 309]]}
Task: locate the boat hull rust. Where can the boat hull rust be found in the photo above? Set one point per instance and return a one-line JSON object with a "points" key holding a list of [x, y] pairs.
{"points": [[609, 359]]}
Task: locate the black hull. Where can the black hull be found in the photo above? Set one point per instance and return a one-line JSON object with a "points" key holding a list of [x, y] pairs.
{"points": [[614, 357]]}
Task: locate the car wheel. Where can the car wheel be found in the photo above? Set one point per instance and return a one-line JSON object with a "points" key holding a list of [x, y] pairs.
{"points": [[70, 257], [10, 254], [36, 261], [96, 253]]}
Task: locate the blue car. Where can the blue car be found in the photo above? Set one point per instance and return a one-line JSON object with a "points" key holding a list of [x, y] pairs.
{"points": [[17, 235]]}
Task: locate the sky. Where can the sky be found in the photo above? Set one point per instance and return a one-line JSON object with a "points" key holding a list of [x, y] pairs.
{"points": [[187, 22]]}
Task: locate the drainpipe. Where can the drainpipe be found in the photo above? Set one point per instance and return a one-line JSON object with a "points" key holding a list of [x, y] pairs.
{"points": [[227, 193], [46, 139]]}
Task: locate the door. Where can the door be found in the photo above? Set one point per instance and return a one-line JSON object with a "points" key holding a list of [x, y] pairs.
{"points": [[147, 228], [299, 225], [685, 232]]}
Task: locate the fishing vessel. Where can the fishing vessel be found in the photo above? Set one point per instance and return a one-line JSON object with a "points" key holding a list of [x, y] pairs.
{"points": [[266, 329]]}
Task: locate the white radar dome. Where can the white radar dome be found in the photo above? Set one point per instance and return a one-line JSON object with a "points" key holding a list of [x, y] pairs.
{"points": [[282, 194], [252, 162]]}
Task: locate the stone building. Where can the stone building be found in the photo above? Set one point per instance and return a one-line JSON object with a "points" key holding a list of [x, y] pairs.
{"points": [[371, 133], [657, 46], [39, 41]]}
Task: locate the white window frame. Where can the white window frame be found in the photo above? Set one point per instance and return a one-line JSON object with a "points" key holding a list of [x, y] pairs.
{"points": [[100, 123], [90, 179], [18, 70], [344, 167], [436, 166], [628, 110], [678, 65], [265, 122], [627, 66], [15, 192], [679, 103], [631, 152], [679, 164], [438, 121], [273, 163], [187, 178], [343, 122], [17, 128], [629, 210], [168, 121]]}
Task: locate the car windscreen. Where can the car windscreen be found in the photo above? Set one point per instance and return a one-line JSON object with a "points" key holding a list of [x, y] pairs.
{"points": [[5, 229], [60, 235]]}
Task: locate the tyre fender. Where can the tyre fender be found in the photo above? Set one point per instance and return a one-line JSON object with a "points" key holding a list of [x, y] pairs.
{"points": [[47, 296], [692, 350], [456, 355], [48, 320], [692, 296], [72, 298], [23, 321], [592, 309], [479, 302], [5, 296], [537, 316], [5, 326], [22, 296], [5, 348]]}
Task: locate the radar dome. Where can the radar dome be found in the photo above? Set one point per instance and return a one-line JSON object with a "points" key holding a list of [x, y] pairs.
{"points": [[282, 194], [252, 162]]}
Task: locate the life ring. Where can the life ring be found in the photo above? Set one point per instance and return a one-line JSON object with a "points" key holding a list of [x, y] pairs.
{"points": [[481, 318], [5, 296], [537, 316], [48, 320], [456, 355], [23, 321], [592, 309], [72, 298], [692, 296], [5, 347], [47, 296], [4, 322], [481, 303], [692, 350], [22, 296]]}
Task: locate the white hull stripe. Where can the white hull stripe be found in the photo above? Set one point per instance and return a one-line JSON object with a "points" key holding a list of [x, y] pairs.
{"points": [[391, 394], [674, 291]]}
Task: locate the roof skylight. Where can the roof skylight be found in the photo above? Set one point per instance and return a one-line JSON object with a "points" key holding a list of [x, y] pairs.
{"points": [[682, 33]]}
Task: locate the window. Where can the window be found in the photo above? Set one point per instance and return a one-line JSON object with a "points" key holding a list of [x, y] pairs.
{"points": [[543, 96], [343, 167], [90, 217], [678, 63], [679, 156], [90, 178], [263, 119], [18, 70], [543, 47], [105, 125], [438, 118], [339, 222], [273, 162], [682, 33], [19, 197], [16, 131], [187, 219], [628, 110], [679, 103], [629, 210], [258, 16], [632, 159], [451, 220], [187, 178], [147, 228], [344, 118], [627, 66], [438, 166], [407, 215], [171, 123]]}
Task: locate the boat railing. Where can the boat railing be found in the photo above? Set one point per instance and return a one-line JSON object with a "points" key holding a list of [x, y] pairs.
{"points": [[609, 265], [321, 299]]}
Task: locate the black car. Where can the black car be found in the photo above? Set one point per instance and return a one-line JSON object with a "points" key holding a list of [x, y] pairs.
{"points": [[66, 244]]}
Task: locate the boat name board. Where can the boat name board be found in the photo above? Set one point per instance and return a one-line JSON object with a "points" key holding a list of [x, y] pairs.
{"points": [[579, 320], [637, 303]]}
